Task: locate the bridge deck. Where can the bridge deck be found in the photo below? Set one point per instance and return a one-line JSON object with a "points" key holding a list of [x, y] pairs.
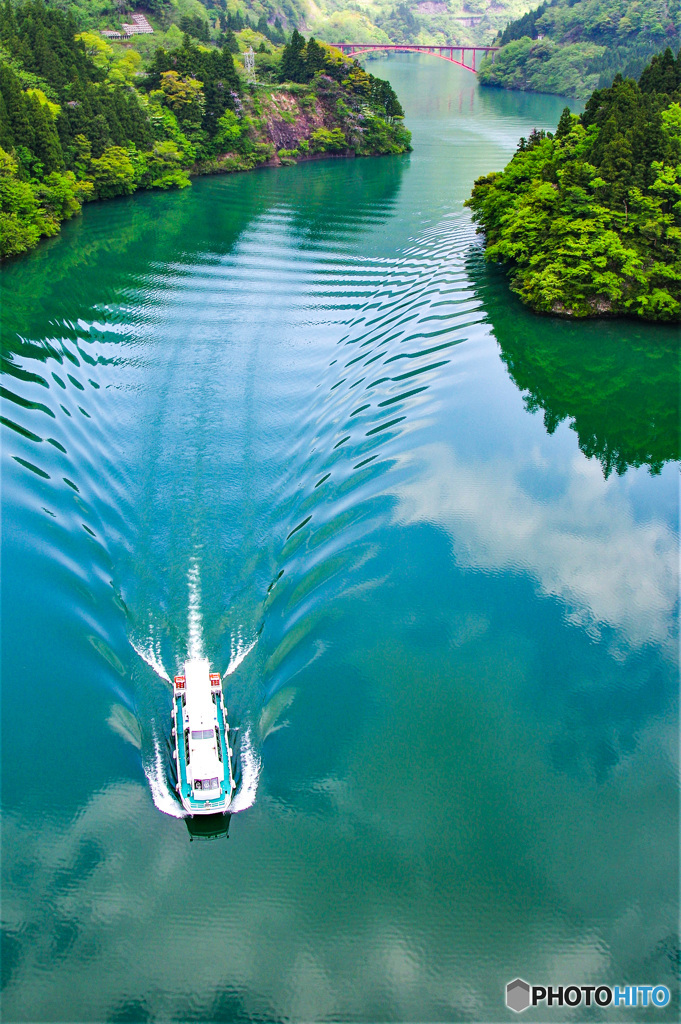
{"points": [[445, 51]]}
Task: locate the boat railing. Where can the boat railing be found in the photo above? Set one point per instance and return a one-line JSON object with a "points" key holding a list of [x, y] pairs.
{"points": [[228, 748]]}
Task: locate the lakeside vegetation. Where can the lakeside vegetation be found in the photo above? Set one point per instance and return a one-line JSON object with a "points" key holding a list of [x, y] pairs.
{"points": [[587, 220], [83, 119], [571, 47]]}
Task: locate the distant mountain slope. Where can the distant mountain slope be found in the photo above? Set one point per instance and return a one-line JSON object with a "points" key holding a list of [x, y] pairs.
{"points": [[435, 21], [337, 21], [571, 47]]}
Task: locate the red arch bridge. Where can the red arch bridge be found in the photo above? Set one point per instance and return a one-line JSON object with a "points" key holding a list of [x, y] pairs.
{"points": [[464, 56]]}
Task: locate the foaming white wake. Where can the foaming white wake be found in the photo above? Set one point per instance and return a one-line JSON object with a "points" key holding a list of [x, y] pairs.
{"points": [[250, 776], [239, 650], [150, 652], [161, 793], [195, 641]]}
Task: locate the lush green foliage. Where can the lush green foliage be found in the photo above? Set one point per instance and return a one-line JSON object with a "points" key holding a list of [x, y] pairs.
{"points": [[524, 26], [589, 220], [328, 104], [72, 133], [29, 210], [80, 119], [571, 47], [198, 85]]}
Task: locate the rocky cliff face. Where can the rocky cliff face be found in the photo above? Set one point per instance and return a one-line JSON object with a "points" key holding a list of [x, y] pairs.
{"points": [[286, 124]]}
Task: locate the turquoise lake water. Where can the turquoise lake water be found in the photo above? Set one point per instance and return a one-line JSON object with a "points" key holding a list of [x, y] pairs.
{"points": [[292, 420]]}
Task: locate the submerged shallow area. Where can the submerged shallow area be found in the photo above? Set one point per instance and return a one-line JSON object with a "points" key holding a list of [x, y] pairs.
{"points": [[291, 421]]}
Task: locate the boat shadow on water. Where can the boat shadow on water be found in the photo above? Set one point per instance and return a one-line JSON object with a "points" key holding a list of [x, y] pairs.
{"points": [[208, 826]]}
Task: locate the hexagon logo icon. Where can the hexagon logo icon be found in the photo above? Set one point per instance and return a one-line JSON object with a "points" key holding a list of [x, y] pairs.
{"points": [[517, 995]]}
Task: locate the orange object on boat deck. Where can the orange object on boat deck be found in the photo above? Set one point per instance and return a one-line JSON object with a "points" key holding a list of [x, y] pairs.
{"points": [[180, 682]]}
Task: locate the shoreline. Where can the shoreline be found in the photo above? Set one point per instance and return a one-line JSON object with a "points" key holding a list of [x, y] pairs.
{"points": [[195, 172], [275, 162]]}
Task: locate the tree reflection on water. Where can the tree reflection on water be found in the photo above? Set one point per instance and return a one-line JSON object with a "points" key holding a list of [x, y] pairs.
{"points": [[615, 381]]}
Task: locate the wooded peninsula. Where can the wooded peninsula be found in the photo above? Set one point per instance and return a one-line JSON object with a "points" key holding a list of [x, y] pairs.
{"points": [[587, 220]]}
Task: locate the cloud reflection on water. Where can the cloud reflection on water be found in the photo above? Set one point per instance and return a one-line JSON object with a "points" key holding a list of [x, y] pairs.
{"points": [[582, 546]]}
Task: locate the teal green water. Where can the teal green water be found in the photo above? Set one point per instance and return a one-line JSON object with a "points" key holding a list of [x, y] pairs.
{"points": [[291, 420]]}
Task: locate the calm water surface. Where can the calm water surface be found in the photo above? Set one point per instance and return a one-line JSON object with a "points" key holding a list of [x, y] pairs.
{"points": [[291, 419]]}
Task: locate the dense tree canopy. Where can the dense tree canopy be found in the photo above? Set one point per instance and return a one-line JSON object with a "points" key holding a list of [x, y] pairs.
{"points": [[571, 47], [218, 88], [589, 220]]}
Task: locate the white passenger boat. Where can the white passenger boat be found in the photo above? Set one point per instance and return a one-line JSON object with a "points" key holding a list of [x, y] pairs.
{"points": [[202, 753]]}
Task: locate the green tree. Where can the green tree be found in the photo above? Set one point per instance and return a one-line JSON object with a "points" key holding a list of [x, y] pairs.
{"points": [[183, 95], [164, 166], [46, 144], [293, 67], [565, 124], [315, 58], [230, 130], [21, 219], [325, 139], [98, 50], [62, 195], [113, 173]]}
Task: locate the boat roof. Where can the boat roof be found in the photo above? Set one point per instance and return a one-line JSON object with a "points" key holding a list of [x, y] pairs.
{"points": [[200, 709]]}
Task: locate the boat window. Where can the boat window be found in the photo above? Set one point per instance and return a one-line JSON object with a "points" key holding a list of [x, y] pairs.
{"points": [[206, 784], [203, 734]]}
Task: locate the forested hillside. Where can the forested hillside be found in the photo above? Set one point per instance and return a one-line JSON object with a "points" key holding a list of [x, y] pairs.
{"points": [[336, 21], [83, 119], [588, 221], [436, 21], [571, 47]]}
